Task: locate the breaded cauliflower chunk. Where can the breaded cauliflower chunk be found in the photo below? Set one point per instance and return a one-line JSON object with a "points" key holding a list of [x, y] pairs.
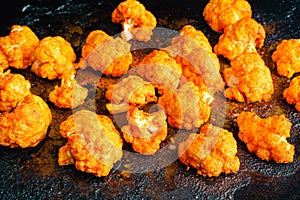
{"points": [[145, 131], [292, 93], [53, 58], [27, 124], [131, 91], [94, 144], [246, 34], [18, 47], [220, 13], [106, 54], [266, 137], [137, 22], [287, 57], [248, 79], [187, 107], [13, 90], [212, 151]]}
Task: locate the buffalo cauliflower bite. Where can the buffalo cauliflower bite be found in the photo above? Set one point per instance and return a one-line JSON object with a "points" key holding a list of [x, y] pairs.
{"points": [[266, 137], [287, 57], [53, 58], [131, 91], [292, 93], [161, 70], [212, 151], [248, 79], [18, 47], [27, 125], [106, 54], [246, 34], [13, 90], [187, 107], [145, 131], [137, 22], [220, 13], [94, 144]]}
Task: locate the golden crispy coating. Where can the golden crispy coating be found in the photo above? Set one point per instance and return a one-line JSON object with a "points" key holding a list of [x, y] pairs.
{"points": [[137, 22], [220, 13], [69, 94], [94, 144], [3, 62], [13, 90], [248, 79], [18, 47], [287, 57], [187, 107], [53, 58], [212, 151], [292, 93], [131, 91], [145, 131], [27, 124], [161, 70], [103, 53], [266, 137], [246, 34]]}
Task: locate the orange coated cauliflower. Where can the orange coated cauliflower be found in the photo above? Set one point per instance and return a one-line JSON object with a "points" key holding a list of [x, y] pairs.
{"points": [[53, 58], [292, 93], [94, 144], [145, 131], [16, 49], [220, 13], [212, 151], [106, 54], [137, 22], [248, 79], [266, 137], [287, 57], [246, 34], [131, 91]]}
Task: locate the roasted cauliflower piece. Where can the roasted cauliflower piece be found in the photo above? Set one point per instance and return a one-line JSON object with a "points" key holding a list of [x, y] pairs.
{"points": [[104, 53], [287, 57], [292, 93], [145, 131], [212, 151], [248, 79], [266, 137], [187, 107], [27, 125], [220, 13], [137, 22], [16, 49], [13, 90], [131, 91], [246, 34], [53, 58], [94, 144]]}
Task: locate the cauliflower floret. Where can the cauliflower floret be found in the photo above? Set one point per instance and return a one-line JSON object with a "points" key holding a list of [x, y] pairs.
{"points": [[94, 144], [161, 70], [27, 124], [292, 93], [287, 57], [266, 137], [187, 107], [220, 13], [248, 79], [13, 90], [18, 47], [131, 91], [137, 22], [246, 34], [106, 54], [145, 131], [53, 57], [212, 151]]}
